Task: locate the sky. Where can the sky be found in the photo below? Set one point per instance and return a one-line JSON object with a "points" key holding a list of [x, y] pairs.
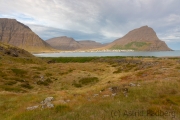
{"points": [[99, 20]]}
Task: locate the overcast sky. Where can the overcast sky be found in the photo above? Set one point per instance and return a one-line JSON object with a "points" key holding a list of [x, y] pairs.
{"points": [[99, 20]]}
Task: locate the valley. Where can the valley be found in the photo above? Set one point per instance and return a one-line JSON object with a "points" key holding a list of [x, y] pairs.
{"points": [[78, 88], [90, 87]]}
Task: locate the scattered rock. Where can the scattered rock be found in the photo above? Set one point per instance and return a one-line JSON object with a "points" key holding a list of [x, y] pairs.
{"points": [[114, 89], [68, 100], [49, 105], [32, 108], [106, 95], [95, 95], [15, 54], [114, 94], [62, 101], [102, 90], [47, 102], [42, 78], [167, 79], [125, 94], [132, 84], [125, 91], [110, 88]]}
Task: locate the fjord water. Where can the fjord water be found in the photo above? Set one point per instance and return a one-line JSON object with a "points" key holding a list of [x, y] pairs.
{"points": [[100, 54]]}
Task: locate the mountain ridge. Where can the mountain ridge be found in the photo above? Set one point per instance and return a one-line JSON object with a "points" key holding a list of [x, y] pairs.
{"points": [[143, 39], [68, 43], [17, 34], [20, 35]]}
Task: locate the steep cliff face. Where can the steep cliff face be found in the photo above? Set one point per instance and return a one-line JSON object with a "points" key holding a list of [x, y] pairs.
{"points": [[66, 43], [143, 38], [17, 34]]}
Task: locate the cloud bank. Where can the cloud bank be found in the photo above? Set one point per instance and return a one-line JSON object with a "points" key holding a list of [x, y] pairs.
{"points": [[100, 20]]}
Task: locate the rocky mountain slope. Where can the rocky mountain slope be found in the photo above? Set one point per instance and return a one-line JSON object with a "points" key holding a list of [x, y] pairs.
{"points": [[143, 39], [63, 43], [89, 44], [17, 34], [67, 43], [11, 51]]}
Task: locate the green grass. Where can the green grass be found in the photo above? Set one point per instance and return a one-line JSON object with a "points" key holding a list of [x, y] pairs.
{"points": [[70, 59], [10, 82], [131, 45], [45, 83], [125, 68], [48, 74], [88, 80], [17, 79], [19, 72], [26, 85], [62, 109], [178, 67], [137, 44], [155, 93], [147, 98], [85, 81], [81, 59], [39, 68], [2, 74], [12, 89]]}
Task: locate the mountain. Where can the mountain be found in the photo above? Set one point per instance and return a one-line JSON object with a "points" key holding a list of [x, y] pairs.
{"points": [[67, 43], [17, 34], [143, 39], [89, 44], [64, 43]]}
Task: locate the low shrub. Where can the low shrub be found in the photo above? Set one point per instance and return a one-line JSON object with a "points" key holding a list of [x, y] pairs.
{"points": [[86, 81], [12, 89], [45, 83], [19, 72], [62, 108], [26, 85], [48, 74], [10, 83]]}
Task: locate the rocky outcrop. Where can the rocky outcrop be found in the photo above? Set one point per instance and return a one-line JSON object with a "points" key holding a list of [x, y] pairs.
{"points": [[46, 103], [17, 34], [143, 39], [67, 43], [8, 50]]}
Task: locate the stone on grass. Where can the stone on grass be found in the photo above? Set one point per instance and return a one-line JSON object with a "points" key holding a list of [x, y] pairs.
{"points": [[32, 108], [47, 102]]}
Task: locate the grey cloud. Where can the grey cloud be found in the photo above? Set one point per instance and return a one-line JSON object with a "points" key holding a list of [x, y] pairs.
{"points": [[104, 20], [50, 32]]}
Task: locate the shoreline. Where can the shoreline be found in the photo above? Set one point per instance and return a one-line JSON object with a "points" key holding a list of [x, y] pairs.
{"points": [[110, 53], [95, 51]]}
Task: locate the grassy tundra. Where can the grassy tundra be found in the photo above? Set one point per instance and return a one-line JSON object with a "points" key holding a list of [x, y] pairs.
{"points": [[87, 88]]}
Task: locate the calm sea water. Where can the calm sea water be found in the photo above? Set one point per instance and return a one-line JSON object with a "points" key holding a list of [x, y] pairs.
{"points": [[99, 54]]}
